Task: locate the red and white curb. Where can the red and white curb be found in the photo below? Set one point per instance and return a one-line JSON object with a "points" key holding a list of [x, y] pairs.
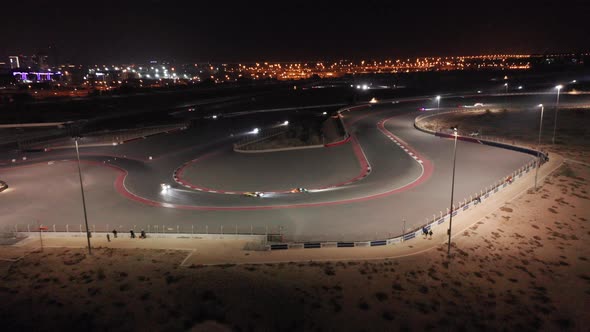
{"points": [[399, 142]]}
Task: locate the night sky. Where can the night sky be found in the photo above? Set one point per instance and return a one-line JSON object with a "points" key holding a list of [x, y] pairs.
{"points": [[136, 31]]}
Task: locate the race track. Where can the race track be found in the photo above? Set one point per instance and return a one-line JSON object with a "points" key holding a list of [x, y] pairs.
{"points": [[362, 190]]}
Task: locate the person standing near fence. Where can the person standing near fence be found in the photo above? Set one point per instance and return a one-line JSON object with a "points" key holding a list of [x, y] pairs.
{"points": [[115, 233], [132, 234], [108, 237]]}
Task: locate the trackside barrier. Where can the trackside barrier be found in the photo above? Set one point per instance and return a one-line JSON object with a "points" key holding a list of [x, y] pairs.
{"points": [[414, 232], [246, 143], [462, 206]]}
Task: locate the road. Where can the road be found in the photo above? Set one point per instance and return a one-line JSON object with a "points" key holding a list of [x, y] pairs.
{"points": [[125, 192]]}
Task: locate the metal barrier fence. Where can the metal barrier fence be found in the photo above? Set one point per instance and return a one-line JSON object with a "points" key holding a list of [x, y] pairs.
{"points": [[104, 137], [276, 233], [248, 142]]}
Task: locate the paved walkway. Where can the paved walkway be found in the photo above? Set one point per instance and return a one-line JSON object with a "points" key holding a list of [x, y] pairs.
{"points": [[239, 250]]}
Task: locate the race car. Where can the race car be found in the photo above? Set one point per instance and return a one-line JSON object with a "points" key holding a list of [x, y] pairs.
{"points": [[253, 194], [299, 190], [3, 186]]}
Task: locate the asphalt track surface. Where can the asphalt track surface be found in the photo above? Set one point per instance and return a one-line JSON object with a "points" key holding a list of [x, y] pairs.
{"points": [[123, 183]]}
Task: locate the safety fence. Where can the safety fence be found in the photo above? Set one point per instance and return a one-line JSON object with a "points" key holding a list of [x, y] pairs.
{"points": [[481, 139], [437, 219], [274, 231], [249, 142], [106, 137], [275, 235]]}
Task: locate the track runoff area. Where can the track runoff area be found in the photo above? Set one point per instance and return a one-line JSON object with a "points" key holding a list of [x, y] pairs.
{"points": [[386, 178]]}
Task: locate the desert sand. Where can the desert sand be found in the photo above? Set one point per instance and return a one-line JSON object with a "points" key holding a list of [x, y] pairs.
{"points": [[522, 267]]}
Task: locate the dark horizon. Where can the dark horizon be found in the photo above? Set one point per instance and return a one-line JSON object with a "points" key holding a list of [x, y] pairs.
{"points": [[135, 32]]}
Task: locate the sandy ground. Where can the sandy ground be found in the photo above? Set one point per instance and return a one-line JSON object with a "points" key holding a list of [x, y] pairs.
{"points": [[521, 126], [523, 266]]}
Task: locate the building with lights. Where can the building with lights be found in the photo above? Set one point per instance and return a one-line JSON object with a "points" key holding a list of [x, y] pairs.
{"points": [[14, 62]]}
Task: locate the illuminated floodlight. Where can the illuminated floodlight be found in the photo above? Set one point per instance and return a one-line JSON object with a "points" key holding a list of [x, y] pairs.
{"points": [[520, 87], [365, 87], [255, 131], [574, 81], [558, 87], [324, 113], [478, 91], [286, 123], [358, 86], [373, 100], [540, 105], [214, 117], [115, 143], [437, 97]]}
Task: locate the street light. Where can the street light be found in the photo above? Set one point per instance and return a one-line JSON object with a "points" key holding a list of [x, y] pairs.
{"points": [[506, 86], [452, 189], [83, 198], [438, 101], [556, 109], [539, 146]]}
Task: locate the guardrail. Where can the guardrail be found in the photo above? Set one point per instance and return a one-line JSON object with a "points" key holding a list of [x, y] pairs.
{"points": [[100, 137], [436, 220], [248, 142], [276, 235]]}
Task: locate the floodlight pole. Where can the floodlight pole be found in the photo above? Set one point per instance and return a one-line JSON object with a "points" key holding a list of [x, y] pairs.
{"points": [[539, 147], [452, 191], [83, 198], [556, 109]]}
